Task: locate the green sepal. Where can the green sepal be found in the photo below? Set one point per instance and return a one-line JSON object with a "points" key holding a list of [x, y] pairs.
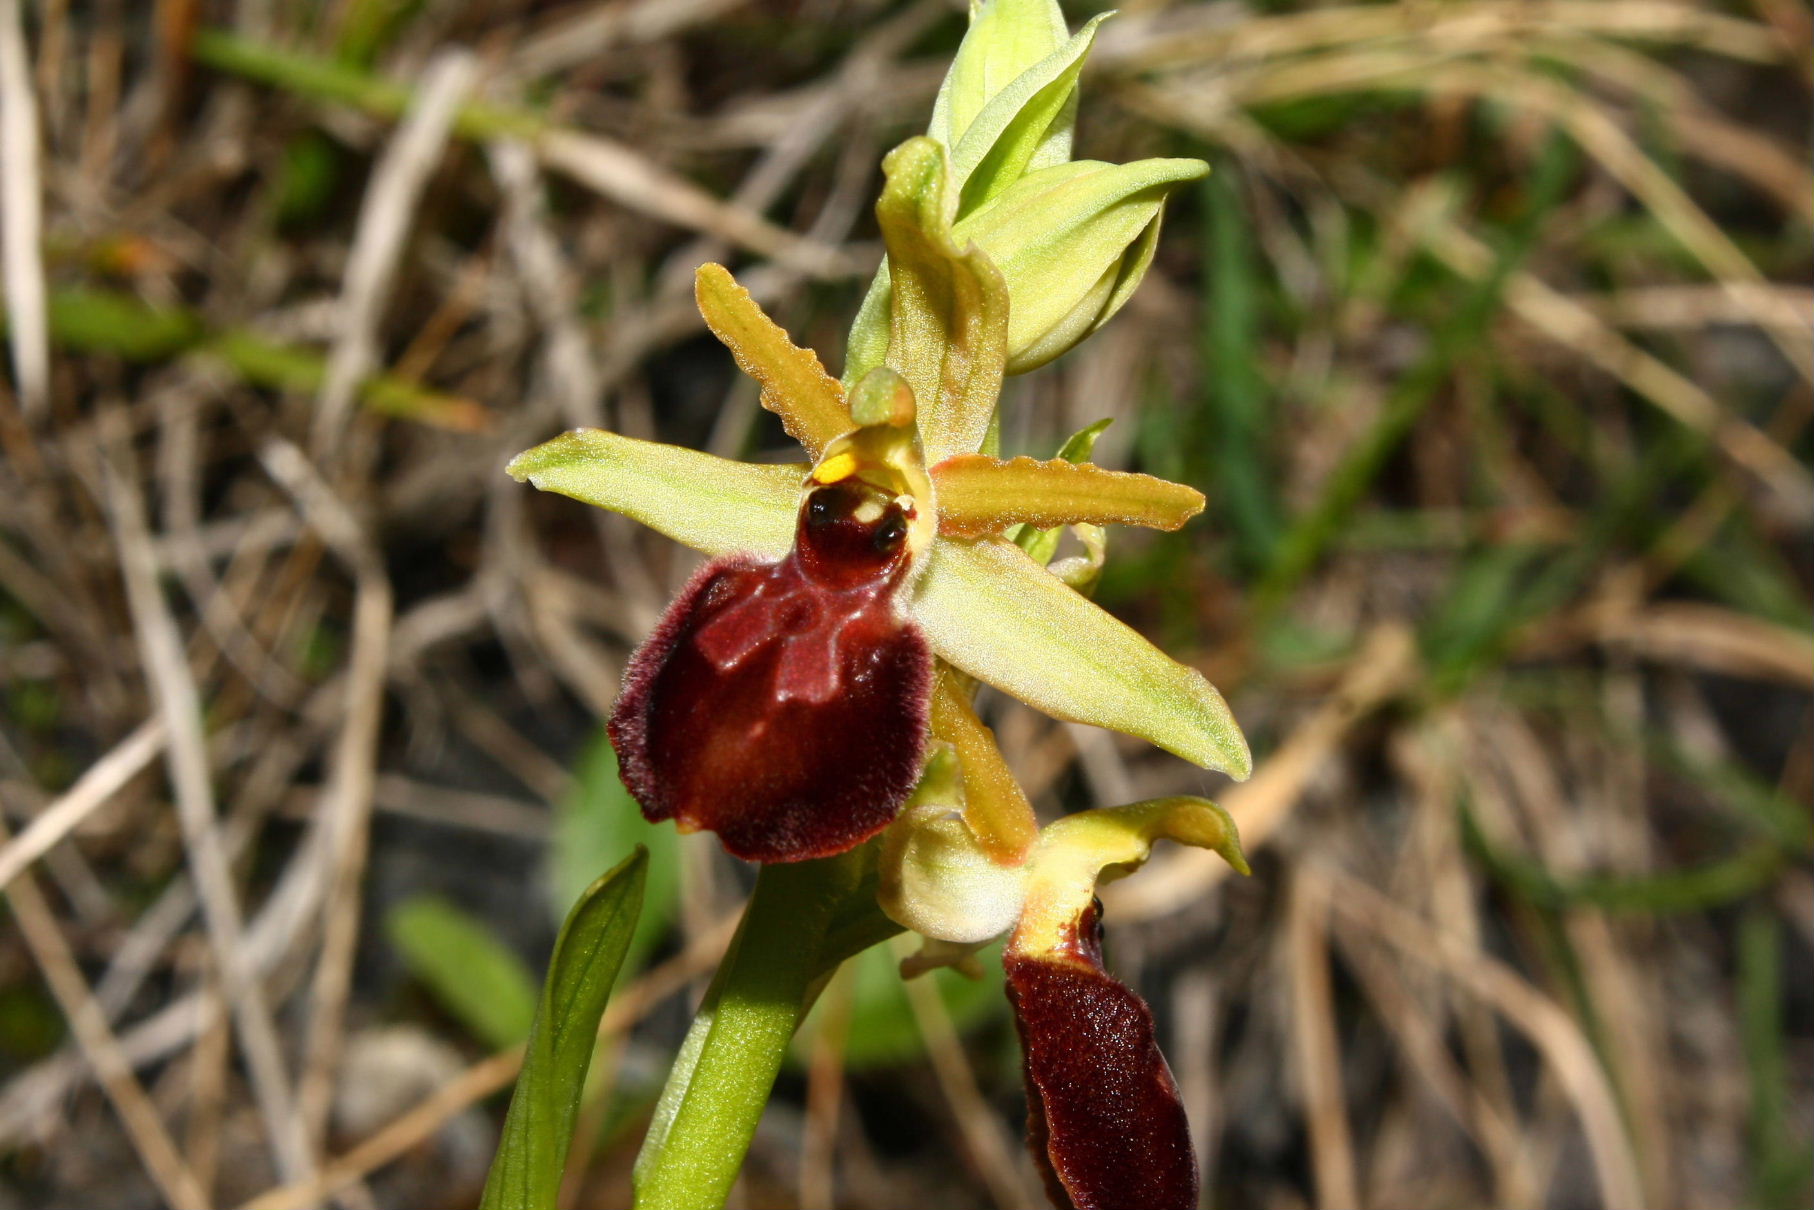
{"points": [[712, 504], [999, 616], [1005, 39], [867, 346], [948, 318], [1025, 126]]}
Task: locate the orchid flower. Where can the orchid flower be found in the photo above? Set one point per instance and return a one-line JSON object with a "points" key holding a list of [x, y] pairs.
{"points": [[1104, 1120], [903, 448], [810, 687]]}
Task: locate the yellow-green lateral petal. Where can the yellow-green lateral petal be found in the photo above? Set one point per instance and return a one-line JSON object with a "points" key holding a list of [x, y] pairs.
{"points": [[794, 385], [990, 610], [711, 504], [980, 495], [995, 808], [948, 319]]}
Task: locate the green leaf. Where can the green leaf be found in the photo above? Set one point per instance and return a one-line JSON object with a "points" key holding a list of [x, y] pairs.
{"points": [[1005, 39], [995, 613], [595, 822], [1073, 243], [1235, 415], [1025, 125], [475, 976], [526, 1173], [308, 179], [366, 26], [346, 84], [711, 504], [117, 323], [107, 321], [948, 319], [1780, 1169]]}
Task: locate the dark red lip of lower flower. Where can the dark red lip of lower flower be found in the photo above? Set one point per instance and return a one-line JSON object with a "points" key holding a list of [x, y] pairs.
{"points": [[1104, 1119], [783, 705]]}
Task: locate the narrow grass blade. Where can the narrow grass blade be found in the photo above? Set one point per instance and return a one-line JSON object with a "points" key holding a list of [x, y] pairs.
{"points": [[1236, 413], [594, 823], [1457, 337], [117, 324], [475, 976]]}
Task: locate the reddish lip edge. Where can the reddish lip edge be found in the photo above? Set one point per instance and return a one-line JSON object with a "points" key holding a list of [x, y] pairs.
{"points": [[782, 705]]}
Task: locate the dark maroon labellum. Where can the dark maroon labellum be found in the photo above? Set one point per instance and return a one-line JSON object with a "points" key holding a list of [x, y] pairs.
{"points": [[1103, 1116], [783, 705]]}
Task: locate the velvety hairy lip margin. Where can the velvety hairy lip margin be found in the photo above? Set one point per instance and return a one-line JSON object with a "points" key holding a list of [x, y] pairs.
{"points": [[1104, 1120]]}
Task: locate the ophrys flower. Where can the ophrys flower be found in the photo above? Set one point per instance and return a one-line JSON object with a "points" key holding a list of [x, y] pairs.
{"points": [[986, 608]]}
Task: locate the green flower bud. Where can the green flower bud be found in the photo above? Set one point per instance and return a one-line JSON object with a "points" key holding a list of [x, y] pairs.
{"points": [[1009, 104], [1005, 38], [1071, 239], [1073, 242], [937, 881]]}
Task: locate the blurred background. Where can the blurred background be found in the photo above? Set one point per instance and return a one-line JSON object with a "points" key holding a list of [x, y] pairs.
{"points": [[1488, 339]]}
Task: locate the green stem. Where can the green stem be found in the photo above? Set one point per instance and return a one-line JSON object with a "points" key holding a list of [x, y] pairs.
{"points": [[722, 1077]]}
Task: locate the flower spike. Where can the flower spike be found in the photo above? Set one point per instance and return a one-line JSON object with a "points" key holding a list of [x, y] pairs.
{"points": [[811, 686]]}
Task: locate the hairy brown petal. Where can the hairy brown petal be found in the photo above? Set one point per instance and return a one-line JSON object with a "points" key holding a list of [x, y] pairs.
{"points": [[783, 705], [1103, 1115]]}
